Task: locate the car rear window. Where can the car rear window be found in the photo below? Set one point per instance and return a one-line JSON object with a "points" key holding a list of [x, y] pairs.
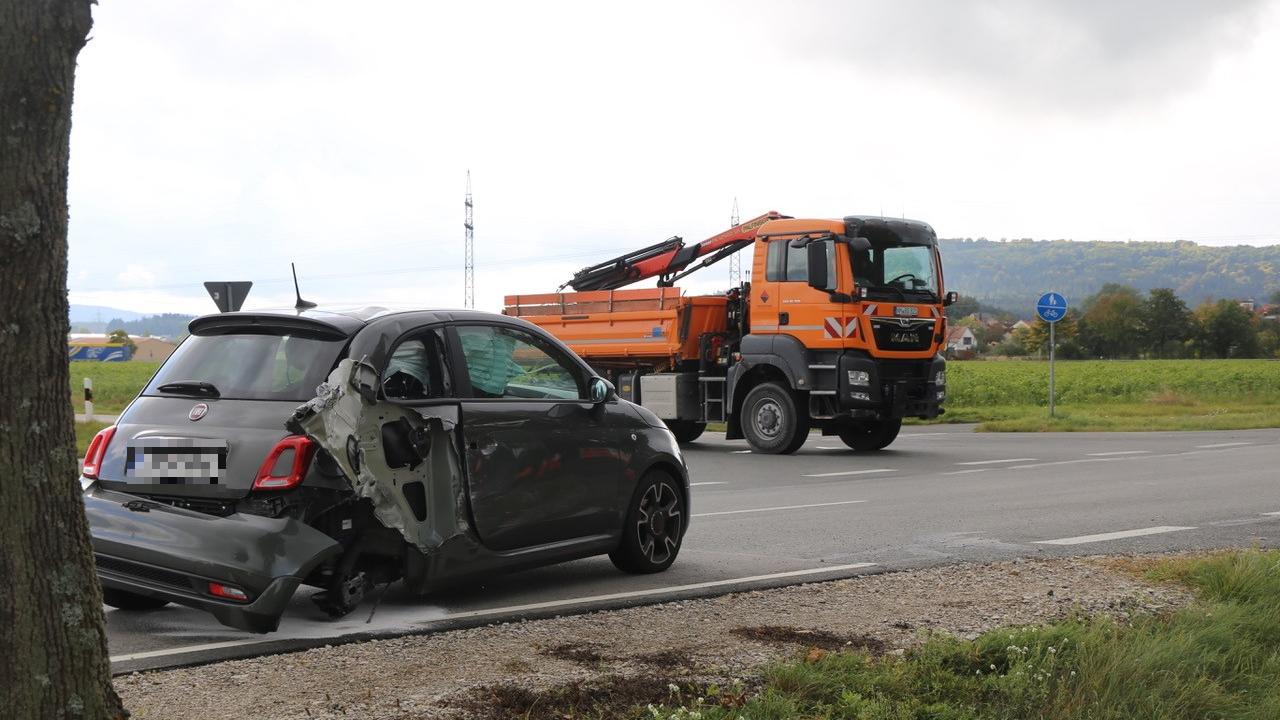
{"points": [[251, 366]]}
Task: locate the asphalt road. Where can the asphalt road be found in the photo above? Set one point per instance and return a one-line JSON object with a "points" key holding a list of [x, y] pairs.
{"points": [[938, 495]]}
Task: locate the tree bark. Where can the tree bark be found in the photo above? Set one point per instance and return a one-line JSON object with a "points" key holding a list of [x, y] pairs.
{"points": [[53, 648]]}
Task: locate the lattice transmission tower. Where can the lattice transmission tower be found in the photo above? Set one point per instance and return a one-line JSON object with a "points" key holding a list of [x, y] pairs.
{"points": [[470, 252], [735, 261]]}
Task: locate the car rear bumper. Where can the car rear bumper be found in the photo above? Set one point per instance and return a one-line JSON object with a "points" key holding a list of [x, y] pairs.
{"points": [[152, 549]]}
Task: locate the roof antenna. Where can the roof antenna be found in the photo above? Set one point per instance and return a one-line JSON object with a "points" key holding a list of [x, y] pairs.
{"points": [[301, 304]]}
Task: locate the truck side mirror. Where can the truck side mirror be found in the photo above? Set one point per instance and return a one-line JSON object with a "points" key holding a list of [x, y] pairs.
{"points": [[950, 298], [818, 250]]}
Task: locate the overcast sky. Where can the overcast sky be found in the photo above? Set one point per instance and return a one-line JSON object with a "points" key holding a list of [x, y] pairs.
{"points": [[220, 141]]}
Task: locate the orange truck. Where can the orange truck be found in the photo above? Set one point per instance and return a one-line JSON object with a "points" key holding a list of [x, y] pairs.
{"points": [[841, 327]]}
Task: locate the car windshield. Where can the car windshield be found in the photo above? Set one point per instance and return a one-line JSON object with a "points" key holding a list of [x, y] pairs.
{"points": [[250, 366], [897, 271]]}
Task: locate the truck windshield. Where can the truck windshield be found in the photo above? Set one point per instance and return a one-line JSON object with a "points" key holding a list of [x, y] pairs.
{"points": [[897, 271]]}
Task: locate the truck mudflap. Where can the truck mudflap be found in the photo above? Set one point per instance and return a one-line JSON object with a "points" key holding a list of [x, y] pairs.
{"points": [[404, 459], [203, 561]]}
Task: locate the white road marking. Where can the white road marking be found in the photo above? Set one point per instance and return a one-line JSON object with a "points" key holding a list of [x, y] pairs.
{"points": [[1102, 537], [514, 609], [995, 462], [710, 482], [738, 452], [829, 447], [853, 472], [1230, 444], [1058, 462], [965, 472], [1274, 514], [1120, 452], [779, 507]]}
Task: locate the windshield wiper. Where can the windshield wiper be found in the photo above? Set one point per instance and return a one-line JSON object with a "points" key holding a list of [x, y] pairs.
{"points": [[901, 294], [194, 388]]}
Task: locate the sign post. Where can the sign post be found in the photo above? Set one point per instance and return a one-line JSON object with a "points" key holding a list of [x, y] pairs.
{"points": [[1051, 307]]}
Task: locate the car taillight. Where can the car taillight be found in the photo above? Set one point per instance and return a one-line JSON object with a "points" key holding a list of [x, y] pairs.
{"points": [[301, 448], [228, 591], [97, 450]]}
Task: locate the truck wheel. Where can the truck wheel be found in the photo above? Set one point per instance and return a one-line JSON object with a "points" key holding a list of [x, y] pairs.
{"points": [[654, 527], [131, 602], [871, 435], [771, 422], [686, 431]]}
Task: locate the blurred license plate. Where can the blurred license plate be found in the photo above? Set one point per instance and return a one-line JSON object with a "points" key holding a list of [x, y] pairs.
{"points": [[177, 462]]}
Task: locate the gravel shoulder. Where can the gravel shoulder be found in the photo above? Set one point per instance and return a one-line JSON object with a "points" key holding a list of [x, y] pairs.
{"points": [[723, 639]]}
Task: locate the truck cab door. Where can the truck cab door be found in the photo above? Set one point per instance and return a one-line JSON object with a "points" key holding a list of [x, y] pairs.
{"points": [[804, 311]]}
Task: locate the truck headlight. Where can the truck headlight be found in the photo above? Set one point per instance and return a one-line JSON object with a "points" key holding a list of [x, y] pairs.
{"points": [[941, 378], [859, 377]]}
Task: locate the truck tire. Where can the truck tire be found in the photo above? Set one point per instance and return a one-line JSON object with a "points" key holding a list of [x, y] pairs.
{"points": [[686, 431], [871, 435], [771, 420]]}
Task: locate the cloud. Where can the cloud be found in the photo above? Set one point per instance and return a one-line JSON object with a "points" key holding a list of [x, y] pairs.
{"points": [[1065, 55], [135, 275]]}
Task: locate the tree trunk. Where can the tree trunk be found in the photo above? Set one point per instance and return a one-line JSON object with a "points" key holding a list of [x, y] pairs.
{"points": [[53, 648]]}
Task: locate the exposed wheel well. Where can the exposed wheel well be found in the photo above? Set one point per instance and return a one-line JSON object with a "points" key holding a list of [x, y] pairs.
{"points": [[753, 377]]}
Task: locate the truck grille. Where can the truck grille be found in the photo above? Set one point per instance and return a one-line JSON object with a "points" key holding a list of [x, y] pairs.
{"points": [[902, 333]]}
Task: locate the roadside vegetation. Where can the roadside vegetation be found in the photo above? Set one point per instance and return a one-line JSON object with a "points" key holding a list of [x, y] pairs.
{"points": [[1115, 395], [115, 384], [84, 434], [1002, 396], [1216, 658]]}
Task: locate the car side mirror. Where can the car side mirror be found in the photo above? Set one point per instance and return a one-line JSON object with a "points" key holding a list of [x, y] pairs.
{"points": [[950, 298], [818, 279], [600, 390]]}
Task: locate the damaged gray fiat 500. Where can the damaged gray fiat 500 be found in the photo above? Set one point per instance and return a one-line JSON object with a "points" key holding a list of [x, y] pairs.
{"points": [[345, 449]]}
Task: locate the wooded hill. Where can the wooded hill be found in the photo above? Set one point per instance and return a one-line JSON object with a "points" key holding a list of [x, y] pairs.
{"points": [[1012, 274]]}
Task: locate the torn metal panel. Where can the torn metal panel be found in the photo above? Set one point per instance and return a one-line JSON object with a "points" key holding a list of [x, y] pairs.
{"points": [[403, 459]]}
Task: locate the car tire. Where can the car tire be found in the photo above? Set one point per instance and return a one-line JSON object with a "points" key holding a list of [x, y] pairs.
{"points": [[131, 602], [771, 420], [654, 527], [686, 431], [871, 435]]}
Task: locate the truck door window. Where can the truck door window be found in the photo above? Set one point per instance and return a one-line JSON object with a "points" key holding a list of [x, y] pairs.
{"points": [[416, 370], [798, 262], [775, 261], [508, 363]]}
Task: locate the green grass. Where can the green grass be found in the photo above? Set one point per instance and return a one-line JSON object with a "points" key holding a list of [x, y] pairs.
{"points": [[1002, 396], [1217, 658], [115, 384], [84, 433], [1115, 395]]}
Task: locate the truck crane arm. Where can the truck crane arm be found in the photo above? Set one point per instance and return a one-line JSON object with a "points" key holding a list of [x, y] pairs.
{"points": [[666, 260]]}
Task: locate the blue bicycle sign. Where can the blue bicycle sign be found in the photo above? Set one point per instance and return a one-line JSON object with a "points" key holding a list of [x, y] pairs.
{"points": [[1051, 307]]}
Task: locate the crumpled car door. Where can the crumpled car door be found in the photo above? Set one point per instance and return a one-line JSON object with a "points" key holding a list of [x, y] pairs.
{"points": [[404, 459]]}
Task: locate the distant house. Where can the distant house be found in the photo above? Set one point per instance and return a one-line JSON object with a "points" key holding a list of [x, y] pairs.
{"points": [[1020, 325], [960, 339], [89, 346], [1248, 305]]}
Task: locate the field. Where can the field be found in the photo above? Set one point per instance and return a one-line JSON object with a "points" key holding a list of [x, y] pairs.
{"points": [[114, 384], [1116, 395], [1002, 396], [1217, 658]]}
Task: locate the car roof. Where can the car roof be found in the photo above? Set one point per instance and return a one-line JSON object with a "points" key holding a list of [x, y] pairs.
{"points": [[334, 320]]}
